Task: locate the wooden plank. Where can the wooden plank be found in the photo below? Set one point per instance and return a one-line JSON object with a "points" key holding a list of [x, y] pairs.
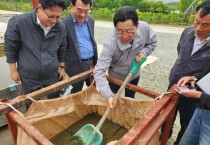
{"points": [[155, 126], [29, 129], [6, 93], [35, 3], [134, 88], [12, 127], [20, 101], [170, 118], [2, 49], [136, 131]]}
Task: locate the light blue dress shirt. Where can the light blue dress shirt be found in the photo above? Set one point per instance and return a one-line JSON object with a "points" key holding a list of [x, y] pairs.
{"points": [[84, 39]]}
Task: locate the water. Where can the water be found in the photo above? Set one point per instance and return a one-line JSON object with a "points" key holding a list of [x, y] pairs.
{"points": [[111, 131], [76, 140]]}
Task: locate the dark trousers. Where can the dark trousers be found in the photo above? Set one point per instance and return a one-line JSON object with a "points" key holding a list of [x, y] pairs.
{"points": [[128, 93], [79, 85], [30, 85], [185, 107]]}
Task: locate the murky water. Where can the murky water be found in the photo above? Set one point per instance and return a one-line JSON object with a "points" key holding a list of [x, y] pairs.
{"points": [[111, 131]]}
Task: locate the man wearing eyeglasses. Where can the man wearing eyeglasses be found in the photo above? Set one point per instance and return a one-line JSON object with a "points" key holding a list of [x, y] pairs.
{"points": [[131, 39], [36, 41], [81, 51]]}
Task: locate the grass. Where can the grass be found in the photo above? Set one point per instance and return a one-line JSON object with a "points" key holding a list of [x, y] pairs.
{"points": [[15, 6]]}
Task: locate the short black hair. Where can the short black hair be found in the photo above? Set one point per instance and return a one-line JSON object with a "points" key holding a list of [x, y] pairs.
{"points": [[204, 7], [50, 3], [126, 13], [86, 2]]}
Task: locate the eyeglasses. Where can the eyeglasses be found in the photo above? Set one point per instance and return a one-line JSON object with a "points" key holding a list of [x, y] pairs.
{"points": [[52, 17], [80, 11], [129, 33]]}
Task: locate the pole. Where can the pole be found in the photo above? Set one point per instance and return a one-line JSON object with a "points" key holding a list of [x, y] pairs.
{"points": [[190, 6]]}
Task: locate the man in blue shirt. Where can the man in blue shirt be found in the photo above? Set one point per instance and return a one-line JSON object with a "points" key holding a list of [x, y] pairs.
{"points": [[81, 51]]}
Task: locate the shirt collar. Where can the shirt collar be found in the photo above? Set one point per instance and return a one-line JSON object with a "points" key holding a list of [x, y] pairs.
{"points": [[204, 40], [39, 23]]}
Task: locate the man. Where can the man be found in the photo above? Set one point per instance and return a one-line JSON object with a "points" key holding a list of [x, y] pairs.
{"points": [[81, 51], [197, 132], [130, 39], [36, 41], [193, 55]]}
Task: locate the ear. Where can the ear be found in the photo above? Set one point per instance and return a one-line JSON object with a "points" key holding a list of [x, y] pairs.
{"points": [[39, 7], [71, 5], [137, 25]]}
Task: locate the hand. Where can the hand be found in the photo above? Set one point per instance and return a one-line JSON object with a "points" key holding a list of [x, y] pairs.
{"points": [[110, 103], [14, 75], [139, 57], [62, 73], [190, 93], [183, 81], [112, 142]]}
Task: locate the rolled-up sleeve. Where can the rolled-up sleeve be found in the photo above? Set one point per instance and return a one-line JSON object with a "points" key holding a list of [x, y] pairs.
{"points": [[12, 41]]}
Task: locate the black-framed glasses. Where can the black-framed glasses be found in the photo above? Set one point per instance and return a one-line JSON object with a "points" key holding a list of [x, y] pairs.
{"points": [[51, 17], [129, 33]]}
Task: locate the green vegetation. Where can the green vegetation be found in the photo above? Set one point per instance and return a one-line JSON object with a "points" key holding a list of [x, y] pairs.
{"points": [[152, 18], [150, 11], [15, 6]]}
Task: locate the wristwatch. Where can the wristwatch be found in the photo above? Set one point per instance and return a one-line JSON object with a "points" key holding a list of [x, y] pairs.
{"points": [[62, 66]]}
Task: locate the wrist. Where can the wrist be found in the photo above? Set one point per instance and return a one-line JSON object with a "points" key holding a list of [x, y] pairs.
{"points": [[61, 66], [193, 78]]}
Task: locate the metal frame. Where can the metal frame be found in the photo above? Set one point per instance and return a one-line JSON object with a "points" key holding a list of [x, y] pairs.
{"points": [[141, 133]]}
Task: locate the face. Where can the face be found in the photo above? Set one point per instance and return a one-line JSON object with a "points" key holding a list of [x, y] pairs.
{"points": [[202, 26], [126, 31], [49, 16], [80, 11]]}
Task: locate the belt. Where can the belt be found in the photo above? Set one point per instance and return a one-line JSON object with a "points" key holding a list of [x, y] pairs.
{"points": [[88, 59]]}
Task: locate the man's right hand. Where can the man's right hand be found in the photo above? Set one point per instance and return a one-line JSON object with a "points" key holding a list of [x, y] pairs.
{"points": [[14, 75], [110, 103]]}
